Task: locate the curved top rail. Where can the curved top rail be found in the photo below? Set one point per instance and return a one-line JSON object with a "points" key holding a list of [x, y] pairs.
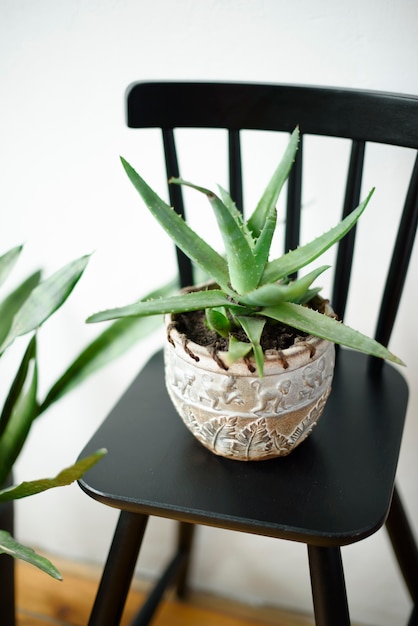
{"points": [[338, 112]]}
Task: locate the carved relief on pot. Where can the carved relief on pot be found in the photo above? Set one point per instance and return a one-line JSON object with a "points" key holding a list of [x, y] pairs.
{"points": [[240, 416]]}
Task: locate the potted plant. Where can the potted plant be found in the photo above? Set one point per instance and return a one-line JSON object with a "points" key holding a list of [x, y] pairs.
{"points": [[22, 312], [250, 355]]}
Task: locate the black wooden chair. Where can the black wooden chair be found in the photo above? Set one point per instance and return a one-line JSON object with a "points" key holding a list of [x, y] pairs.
{"points": [[328, 497]]}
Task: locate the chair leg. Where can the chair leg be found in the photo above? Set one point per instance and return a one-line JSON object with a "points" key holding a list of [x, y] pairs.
{"points": [[185, 544], [328, 587], [404, 544], [119, 569], [7, 590], [7, 569], [413, 620], [176, 571]]}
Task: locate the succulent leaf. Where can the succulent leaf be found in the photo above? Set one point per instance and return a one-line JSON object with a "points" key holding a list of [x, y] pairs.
{"points": [[325, 327], [236, 350], [263, 243], [271, 294], [193, 301], [217, 320], [183, 236], [232, 207], [300, 257], [253, 328], [243, 270], [309, 295], [248, 283], [274, 187]]}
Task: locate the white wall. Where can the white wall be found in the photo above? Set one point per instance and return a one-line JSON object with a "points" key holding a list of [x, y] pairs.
{"points": [[64, 68]]}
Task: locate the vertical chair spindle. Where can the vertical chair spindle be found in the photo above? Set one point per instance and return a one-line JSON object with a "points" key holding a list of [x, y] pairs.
{"points": [[346, 245], [176, 200], [400, 261], [294, 202], [235, 168]]}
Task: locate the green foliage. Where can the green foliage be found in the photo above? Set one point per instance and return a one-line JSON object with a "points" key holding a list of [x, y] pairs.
{"points": [[22, 312], [250, 287], [44, 300], [62, 479], [9, 545]]}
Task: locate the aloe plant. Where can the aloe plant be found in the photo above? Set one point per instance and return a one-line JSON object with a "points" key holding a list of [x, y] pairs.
{"points": [[22, 312], [251, 288]]}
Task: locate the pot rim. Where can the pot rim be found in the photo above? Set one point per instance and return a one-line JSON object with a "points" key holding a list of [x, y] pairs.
{"points": [[301, 353], [298, 355]]}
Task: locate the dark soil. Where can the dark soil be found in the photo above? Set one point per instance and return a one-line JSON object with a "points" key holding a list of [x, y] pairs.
{"points": [[276, 336]]}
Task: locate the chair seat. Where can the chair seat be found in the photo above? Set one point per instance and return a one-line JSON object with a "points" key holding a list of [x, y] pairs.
{"points": [[333, 490]]}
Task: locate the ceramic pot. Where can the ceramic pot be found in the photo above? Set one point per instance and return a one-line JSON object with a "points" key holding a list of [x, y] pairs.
{"points": [[238, 415]]}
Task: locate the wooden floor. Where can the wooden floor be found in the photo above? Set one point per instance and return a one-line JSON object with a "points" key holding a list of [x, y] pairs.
{"points": [[42, 601]]}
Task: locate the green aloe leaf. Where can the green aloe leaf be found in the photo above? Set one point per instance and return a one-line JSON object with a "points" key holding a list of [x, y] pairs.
{"points": [[7, 262], [45, 299], [183, 236], [9, 545], [243, 270], [117, 339], [232, 207], [193, 301], [308, 295], [300, 257], [19, 411], [218, 321], [273, 189], [62, 479], [325, 327], [253, 328], [272, 294], [236, 350], [263, 244]]}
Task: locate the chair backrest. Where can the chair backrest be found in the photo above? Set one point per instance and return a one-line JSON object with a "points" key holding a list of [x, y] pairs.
{"points": [[359, 116]]}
